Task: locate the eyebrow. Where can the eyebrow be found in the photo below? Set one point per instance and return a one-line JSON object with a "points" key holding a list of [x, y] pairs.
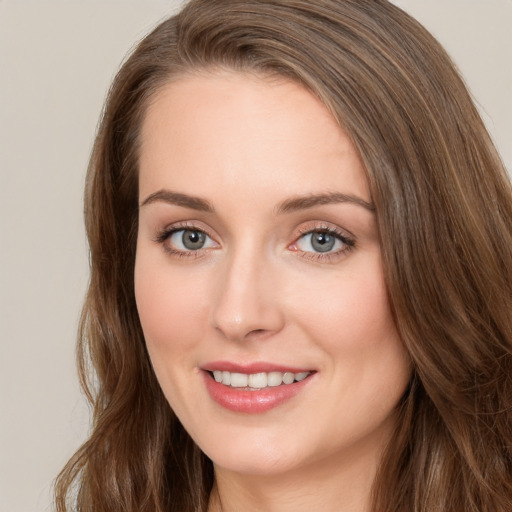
{"points": [[178, 199], [288, 206], [310, 201]]}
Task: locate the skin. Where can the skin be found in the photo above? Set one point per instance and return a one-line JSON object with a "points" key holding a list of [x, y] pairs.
{"points": [[258, 290]]}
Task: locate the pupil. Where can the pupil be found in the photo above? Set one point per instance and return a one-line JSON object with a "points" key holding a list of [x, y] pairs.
{"points": [[193, 240], [322, 242]]}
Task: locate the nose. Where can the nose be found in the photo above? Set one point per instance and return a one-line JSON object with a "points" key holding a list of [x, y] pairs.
{"points": [[246, 304]]}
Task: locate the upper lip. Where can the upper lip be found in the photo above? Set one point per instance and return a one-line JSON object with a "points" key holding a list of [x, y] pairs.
{"points": [[250, 368]]}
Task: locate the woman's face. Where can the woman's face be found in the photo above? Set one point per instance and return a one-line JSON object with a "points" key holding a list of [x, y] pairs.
{"points": [[259, 265]]}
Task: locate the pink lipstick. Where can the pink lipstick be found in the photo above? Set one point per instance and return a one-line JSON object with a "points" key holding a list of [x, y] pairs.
{"points": [[255, 387]]}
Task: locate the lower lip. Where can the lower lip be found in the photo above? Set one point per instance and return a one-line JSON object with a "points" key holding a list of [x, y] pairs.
{"points": [[252, 402]]}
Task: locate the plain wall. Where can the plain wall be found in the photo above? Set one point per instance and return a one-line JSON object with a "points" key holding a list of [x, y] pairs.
{"points": [[56, 62]]}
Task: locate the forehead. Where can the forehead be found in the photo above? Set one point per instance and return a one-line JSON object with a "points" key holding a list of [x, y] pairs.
{"points": [[235, 133]]}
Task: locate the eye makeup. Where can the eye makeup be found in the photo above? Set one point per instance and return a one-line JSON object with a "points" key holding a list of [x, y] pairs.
{"points": [[318, 241], [323, 238]]}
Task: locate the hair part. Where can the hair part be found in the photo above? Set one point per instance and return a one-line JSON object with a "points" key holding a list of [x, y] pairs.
{"points": [[444, 212]]}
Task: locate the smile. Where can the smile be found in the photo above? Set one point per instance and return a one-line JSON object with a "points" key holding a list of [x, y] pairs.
{"points": [[255, 388], [260, 380]]}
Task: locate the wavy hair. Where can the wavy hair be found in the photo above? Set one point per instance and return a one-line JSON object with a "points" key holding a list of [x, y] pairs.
{"points": [[444, 213]]}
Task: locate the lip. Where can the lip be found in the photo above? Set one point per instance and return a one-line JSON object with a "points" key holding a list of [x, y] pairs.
{"points": [[251, 401], [255, 367]]}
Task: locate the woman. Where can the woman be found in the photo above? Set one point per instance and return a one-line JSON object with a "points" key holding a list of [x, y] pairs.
{"points": [[301, 287]]}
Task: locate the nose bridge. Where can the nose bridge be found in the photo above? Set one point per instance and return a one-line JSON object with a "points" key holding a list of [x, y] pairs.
{"points": [[246, 302]]}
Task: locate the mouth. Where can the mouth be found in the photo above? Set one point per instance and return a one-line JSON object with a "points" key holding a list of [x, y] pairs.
{"points": [[257, 381], [256, 388]]}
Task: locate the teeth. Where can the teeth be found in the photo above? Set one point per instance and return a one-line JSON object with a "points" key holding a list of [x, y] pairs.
{"points": [[238, 380], [288, 378], [274, 379], [257, 380]]}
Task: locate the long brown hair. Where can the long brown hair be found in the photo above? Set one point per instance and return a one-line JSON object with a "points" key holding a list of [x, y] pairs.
{"points": [[444, 211]]}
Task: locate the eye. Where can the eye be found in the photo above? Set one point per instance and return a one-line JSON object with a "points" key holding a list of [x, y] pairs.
{"points": [[319, 241], [186, 240], [325, 241]]}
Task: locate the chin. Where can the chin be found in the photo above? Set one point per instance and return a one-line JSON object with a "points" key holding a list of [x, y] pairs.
{"points": [[256, 454]]}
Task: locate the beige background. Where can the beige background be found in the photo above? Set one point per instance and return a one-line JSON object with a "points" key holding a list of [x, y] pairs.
{"points": [[56, 61]]}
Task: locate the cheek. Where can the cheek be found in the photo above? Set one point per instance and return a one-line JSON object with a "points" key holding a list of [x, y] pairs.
{"points": [[170, 306], [350, 311], [366, 365]]}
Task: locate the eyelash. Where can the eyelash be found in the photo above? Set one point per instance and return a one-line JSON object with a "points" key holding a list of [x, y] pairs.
{"points": [[166, 233], [327, 257], [348, 242]]}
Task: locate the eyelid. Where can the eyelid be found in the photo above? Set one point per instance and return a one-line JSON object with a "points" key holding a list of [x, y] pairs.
{"points": [[165, 233], [347, 239], [322, 227]]}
